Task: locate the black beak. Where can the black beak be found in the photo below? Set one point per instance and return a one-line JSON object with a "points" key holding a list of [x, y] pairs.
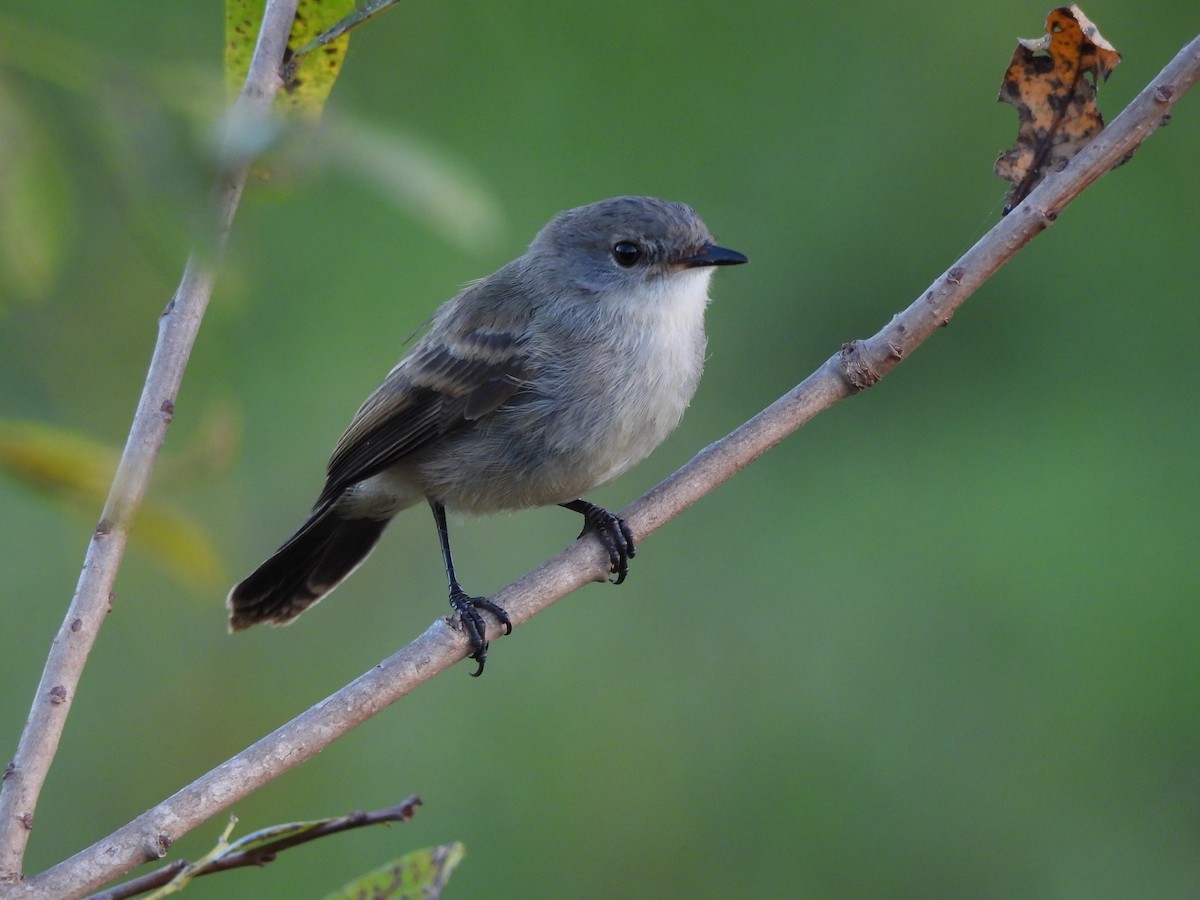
{"points": [[712, 255]]}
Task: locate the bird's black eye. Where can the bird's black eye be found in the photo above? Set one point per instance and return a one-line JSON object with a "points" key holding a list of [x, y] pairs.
{"points": [[626, 253]]}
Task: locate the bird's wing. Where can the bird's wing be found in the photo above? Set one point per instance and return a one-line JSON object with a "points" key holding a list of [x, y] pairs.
{"points": [[440, 387]]}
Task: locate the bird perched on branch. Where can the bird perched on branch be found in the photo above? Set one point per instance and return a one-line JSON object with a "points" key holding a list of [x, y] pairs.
{"points": [[548, 378]]}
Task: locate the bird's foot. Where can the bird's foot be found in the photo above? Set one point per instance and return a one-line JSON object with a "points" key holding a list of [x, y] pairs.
{"points": [[468, 608], [614, 534]]}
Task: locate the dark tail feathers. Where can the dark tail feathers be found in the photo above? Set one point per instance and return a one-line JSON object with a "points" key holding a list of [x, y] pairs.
{"points": [[312, 563]]}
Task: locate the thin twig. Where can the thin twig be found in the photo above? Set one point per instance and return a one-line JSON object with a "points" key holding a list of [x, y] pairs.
{"points": [[177, 328], [260, 854], [856, 366]]}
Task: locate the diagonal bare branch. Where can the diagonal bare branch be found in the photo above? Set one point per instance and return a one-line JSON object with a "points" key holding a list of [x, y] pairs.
{"points": [[177, 328]]}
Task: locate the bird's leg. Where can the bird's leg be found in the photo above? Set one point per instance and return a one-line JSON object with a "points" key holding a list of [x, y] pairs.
{"points": [[465, 605], [614, 534]]}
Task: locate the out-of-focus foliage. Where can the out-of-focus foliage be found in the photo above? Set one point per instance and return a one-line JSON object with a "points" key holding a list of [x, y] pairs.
{"points": [[942, 642], [34, 204], [77, 472]]}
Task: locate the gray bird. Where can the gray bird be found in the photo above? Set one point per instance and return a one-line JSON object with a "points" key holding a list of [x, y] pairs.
{"points": [[548, 378]]}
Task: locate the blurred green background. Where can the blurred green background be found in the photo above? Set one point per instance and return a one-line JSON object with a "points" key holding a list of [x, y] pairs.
{"points": [[944, 642]]}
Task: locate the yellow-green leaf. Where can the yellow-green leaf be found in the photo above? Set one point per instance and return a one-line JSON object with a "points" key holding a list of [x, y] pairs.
{"points": [[242, 21], [309, 82], [364, 9]]}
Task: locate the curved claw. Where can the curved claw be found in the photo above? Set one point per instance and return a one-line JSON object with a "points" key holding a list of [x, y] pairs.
{"points": [[479, 657], [468, 608], [614, 533]]}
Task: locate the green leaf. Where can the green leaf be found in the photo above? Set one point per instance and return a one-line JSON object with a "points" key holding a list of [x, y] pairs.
{"points": [[419, 875]]}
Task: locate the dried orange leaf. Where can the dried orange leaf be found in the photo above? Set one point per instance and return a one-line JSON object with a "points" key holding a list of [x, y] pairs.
{"points": [[1052, 83]]}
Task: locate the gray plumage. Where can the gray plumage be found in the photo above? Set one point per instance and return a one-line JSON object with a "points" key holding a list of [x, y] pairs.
{"points": [[550, 377]]}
